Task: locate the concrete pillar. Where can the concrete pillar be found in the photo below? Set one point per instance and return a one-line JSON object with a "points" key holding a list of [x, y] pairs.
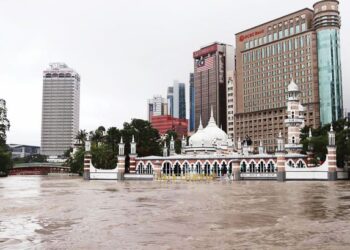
{"points": [[87, 162], [236, 170], [157, 170], [281, 166], [332, 163], [121, 167]]}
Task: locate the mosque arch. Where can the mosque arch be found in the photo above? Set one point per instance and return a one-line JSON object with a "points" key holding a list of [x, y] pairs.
{"points": [[215, 169], [207, 168], [261, 167], [149, 168], [271, 166], [291, 163], [198, 167], [167, 168], [301, 164], [252, 166], [177, 168], [244, 166], [224, 169], [186, 167], [140, 167]]}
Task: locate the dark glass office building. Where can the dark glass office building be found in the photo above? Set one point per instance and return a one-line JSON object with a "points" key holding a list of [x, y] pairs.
{"points": [[192, 106]]}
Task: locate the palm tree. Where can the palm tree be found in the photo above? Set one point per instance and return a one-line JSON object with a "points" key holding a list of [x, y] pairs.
{"points": [[82, 136]]}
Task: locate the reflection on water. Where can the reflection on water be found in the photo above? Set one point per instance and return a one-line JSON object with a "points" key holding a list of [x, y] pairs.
{"points": [[68, 213]]}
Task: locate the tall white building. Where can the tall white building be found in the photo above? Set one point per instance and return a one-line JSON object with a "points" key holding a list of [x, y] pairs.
{"points": [[60, 109], [157, 106]]}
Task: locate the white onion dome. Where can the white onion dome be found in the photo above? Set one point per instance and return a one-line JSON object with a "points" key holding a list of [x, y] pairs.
{"points": [[293, 87], [196, 140], [209, 136]]}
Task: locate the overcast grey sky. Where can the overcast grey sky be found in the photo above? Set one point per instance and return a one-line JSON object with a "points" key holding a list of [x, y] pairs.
{"points": [[125, 50]]}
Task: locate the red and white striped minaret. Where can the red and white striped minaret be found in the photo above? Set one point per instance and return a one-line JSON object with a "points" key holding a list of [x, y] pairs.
{"points": [[332, 156], [295, 120], [281, 158], [87, 160], [121, 160], [132, 156]]}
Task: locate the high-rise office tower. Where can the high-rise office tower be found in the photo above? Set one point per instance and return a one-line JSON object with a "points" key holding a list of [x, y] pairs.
{"points": [[179, 100], [60, 109], [157, 106], [192, 117], [327, 25], [170, 98], [303, 46], [211, 64]]}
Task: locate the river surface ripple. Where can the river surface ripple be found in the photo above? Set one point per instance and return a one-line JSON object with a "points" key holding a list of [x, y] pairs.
{"points": [[69, 213]]}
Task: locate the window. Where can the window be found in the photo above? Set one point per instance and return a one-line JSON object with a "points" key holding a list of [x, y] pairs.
{"points": [[291, 30], [297, 28], [303, 27], [286, 32]]}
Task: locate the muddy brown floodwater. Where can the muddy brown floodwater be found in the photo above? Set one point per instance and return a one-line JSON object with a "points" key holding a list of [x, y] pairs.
{"points": [[69, 213]]}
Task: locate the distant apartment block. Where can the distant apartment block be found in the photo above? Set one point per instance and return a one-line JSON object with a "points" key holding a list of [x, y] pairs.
{"points": [[21, 151]]}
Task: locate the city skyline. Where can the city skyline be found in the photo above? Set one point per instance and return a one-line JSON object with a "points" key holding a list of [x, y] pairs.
{"points": [[107, 81]]}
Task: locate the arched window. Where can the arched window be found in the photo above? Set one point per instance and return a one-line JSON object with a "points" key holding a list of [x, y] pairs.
{"points": [[198, 168], [223, 168], [216, 169], [149, 168], [291, 164], [140, 168], [271, 167], [301, 164], [207, 169], [293, 140], [186, 168], [167, 170], [243, 167], [177, 169], [252, 167], [261, 167]]}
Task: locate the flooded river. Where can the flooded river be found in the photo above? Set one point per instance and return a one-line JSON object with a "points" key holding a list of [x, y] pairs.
{"points": [[69, 213]]}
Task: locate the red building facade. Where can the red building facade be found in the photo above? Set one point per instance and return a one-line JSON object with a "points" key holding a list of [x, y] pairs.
{"points": [[165, 123]]}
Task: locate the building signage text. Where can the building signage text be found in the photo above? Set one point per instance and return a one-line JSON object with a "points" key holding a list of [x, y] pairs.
{"points": [[250, 35]]}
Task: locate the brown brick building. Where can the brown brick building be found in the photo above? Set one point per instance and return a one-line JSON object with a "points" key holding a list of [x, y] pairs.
{"points": [[268, 57]]}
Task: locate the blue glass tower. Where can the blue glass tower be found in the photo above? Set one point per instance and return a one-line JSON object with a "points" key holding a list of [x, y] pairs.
{"points": [[327, 26]]}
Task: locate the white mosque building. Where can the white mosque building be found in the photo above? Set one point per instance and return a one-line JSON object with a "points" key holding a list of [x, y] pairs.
{"points": [[210, 152]]}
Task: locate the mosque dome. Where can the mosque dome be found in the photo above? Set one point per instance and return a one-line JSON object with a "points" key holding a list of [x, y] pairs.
{"points": [[209, 136], [293, 87]]}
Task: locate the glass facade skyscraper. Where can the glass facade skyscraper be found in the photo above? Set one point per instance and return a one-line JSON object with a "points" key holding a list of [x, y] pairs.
{"points": [[179, 100], [327, 24]]}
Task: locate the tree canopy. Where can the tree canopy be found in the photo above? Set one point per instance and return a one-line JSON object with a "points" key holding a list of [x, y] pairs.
{"points": [[5, 154], [319, 141], [104, 144]]}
